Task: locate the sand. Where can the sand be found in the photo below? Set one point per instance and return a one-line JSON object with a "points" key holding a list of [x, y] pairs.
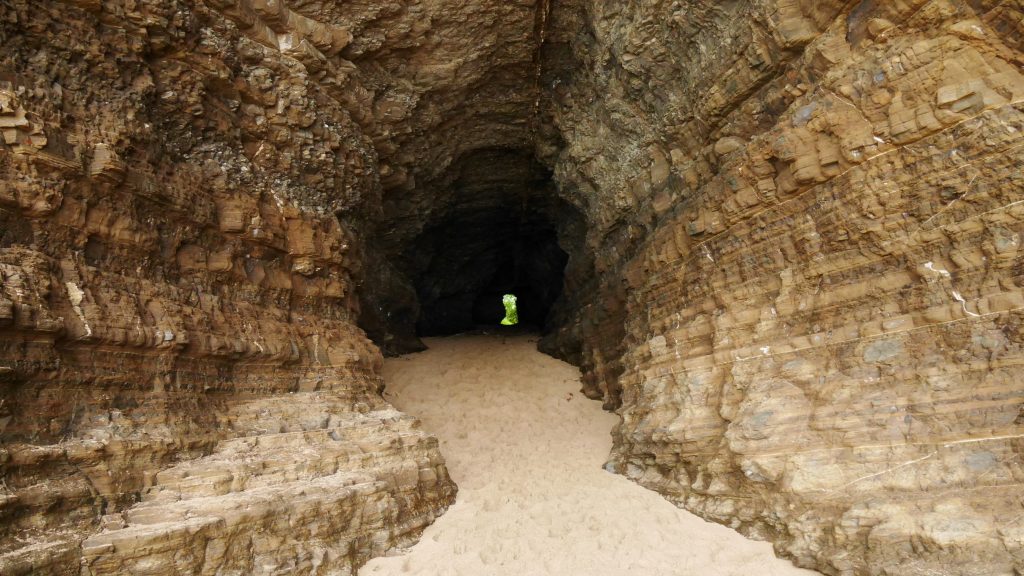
{"points": [[527, 451]]}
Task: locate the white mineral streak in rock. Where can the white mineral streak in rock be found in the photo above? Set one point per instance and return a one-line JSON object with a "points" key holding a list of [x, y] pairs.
{"points": [[75, 296]]}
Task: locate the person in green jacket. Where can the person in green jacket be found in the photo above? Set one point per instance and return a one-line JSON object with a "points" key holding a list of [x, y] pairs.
{"points": [[511, 313]]}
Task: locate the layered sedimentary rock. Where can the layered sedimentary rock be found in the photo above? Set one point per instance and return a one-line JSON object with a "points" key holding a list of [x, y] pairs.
{"points": [[806, 219], [790, 233], [183, 388]]}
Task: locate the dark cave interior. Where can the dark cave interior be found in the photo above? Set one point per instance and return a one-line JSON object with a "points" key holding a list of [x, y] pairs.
{"points": [[497, 234]]}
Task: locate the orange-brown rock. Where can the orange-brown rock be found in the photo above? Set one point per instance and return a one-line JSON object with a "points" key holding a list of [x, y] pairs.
{"points": [[183, 388], [780, 237], [806, 221]]}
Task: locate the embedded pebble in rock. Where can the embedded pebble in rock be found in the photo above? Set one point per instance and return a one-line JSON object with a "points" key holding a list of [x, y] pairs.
{"points": [[527, 452]]}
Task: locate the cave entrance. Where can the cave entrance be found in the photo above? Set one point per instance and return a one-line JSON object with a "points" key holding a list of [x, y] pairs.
{"points": [[490, 223], [495, 232], [472, 268]]}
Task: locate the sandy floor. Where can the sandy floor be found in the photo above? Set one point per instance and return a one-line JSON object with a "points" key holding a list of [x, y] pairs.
{"points": [[527, 450]]}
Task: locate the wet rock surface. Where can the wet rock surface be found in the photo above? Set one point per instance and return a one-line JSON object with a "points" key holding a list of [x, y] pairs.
{"points": [[780, 238]]}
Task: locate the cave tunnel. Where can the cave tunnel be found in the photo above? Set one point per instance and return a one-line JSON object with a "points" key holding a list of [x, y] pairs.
{"points": [[497, 233], [490, 222]]}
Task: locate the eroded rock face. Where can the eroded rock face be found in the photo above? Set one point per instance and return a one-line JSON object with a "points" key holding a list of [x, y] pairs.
{"points": [[790, 232], [184, 389], [806, 221]]}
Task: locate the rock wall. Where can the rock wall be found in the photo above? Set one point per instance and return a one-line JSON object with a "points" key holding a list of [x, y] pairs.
{"points": [[183, 388], [806, 221], [793, 239]]}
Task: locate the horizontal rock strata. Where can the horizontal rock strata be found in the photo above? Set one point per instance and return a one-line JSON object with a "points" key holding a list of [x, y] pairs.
{"points": [[790, 233], [809, 215], [183, 388]]}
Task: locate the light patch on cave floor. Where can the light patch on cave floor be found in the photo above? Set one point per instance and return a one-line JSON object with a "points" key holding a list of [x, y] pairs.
{"points": [[527, 450]]}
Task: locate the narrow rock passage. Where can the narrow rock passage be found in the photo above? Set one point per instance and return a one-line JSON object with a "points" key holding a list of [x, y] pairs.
{"points": [[526, 450]]}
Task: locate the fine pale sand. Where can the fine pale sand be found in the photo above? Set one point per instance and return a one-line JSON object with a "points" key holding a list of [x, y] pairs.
{"points": [[527, 450]]}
